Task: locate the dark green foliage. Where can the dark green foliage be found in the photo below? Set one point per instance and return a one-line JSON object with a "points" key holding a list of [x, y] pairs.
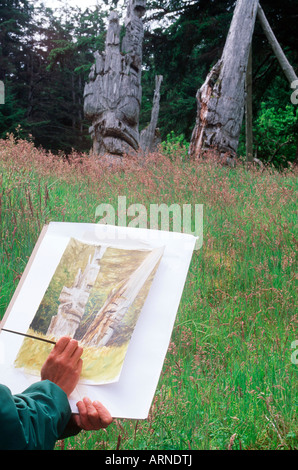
{"points": [[49, 62], [185, 51], [276, 134], [15, 23], [45, 60]]}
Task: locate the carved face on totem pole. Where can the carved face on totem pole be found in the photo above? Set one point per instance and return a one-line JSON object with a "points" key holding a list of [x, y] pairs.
{"points": [[112, 98]]}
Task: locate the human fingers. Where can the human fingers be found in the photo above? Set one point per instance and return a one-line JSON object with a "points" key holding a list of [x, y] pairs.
{"points": [[75, 351], [103, 413], [91, 416], [83, 418], [79, 367], [71, 353], [55, 355], [71, 347], [61, 344], [64, 366]]}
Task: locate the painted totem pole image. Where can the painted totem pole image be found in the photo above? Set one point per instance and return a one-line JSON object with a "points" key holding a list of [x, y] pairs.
{"points": [[95, 296]]}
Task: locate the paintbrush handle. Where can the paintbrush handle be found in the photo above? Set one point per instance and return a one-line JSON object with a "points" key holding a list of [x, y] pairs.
{"points": [[29, 336]]}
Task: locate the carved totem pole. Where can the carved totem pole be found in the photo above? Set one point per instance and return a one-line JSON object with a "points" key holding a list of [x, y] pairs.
{"points": [[73, 300], [112, 98]]}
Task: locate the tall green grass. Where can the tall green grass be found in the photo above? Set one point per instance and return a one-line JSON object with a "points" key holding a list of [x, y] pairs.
{"points": [[228, 380]]}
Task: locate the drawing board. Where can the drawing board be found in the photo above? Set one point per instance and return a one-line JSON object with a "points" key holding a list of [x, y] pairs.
{"points": [[81, 271]]}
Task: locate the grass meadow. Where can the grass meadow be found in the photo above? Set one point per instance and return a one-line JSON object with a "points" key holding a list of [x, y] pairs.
{"points": [[229, 380]]}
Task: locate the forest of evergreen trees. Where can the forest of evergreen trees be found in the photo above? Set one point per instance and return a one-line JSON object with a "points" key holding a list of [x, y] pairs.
{"points": [[46, 55]]}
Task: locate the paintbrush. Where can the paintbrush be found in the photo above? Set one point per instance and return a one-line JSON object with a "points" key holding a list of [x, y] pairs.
{"points": [[29, 336]]}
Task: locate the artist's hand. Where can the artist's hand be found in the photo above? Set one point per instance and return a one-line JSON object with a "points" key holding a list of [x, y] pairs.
{"points": [[92, 415], [64, 364]]}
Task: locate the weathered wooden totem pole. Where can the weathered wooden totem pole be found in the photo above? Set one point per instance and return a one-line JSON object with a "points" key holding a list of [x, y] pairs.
{"points": [[112, 98]]}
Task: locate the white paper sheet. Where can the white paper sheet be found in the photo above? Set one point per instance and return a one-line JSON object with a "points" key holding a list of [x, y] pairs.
{"points": [[132, 395]]}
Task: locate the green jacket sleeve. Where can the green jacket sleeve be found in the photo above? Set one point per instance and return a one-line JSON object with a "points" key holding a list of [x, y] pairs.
{"points": [[34, 419]]}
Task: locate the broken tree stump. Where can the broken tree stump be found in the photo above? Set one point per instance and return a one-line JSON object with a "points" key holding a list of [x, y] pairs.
{"points": [[221, 99]]}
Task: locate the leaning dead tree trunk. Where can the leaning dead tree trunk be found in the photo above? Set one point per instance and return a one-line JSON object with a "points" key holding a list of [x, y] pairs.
{"points": [[221, 99], [282, 59], [148, 138], [248, 111], [112, 98]]}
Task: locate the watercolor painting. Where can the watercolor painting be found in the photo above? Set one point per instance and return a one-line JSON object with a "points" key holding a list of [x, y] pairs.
{"points": [[95, 296]]}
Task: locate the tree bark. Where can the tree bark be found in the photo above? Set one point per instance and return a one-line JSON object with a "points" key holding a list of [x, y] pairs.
{"points": [[248, 114], [148, 135], [221, 99], [284, 63], [112, 98]]}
